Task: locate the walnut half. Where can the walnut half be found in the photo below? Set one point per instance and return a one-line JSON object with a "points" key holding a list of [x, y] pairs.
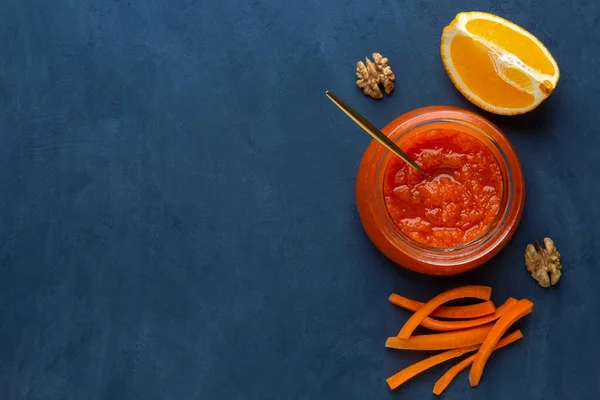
{"points": [[375, 73], [543, 263]]}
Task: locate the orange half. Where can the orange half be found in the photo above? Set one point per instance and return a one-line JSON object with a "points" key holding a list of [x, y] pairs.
{"points": [[496, 64]]}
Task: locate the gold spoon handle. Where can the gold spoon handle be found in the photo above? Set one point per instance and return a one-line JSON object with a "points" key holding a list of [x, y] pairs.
{"points": [[372, 130]]}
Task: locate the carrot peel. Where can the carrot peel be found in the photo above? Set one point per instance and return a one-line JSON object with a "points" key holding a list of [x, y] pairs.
{"points": [[441, 341], [449, 376], [515, 313], [412, 370], [437, 325], [478, 292], [452, 312]]}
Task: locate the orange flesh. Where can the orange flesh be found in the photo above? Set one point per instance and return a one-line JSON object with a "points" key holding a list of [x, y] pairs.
{"points": [[517, 77], [480, 74], [512, 42]]}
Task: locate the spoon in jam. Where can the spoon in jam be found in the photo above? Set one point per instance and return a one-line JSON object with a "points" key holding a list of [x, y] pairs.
{"points": [[374, 132]]}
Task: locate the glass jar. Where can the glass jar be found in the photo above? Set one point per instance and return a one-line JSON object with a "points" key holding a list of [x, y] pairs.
{"points": [[395, 244]]}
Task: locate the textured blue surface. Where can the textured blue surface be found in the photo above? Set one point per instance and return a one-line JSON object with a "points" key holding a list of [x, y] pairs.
{"points": [[177, 217]]}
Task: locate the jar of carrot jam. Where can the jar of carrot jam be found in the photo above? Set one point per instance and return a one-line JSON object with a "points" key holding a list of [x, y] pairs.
{"points": [[458, 214]]}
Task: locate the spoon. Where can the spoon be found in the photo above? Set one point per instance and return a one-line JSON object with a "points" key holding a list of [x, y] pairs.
{"points": [[373, 131]]}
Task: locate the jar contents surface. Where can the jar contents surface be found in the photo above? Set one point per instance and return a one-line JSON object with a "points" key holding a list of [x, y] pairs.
{"points": [[456, 200]]}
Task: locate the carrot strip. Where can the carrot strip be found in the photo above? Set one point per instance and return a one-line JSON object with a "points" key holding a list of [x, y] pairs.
{"points": [[515, 313], [478, 292], [415, 369], [441, 341], [452, 312], [449, 376], [437, 325]]}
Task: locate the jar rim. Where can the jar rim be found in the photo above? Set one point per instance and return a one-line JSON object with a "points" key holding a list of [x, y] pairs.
{"points": [[396, 245]]}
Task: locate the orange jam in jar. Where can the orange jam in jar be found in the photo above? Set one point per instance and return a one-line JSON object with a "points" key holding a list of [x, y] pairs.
{"points": [[458, 198], [461, 211]]}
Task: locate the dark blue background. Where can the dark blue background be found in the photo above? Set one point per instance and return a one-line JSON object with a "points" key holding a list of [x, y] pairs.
{"points": [[177, 217]]}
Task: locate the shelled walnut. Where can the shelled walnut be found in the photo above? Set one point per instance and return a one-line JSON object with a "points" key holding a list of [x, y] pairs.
{"points": [[543, 263], [375, 73]]}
